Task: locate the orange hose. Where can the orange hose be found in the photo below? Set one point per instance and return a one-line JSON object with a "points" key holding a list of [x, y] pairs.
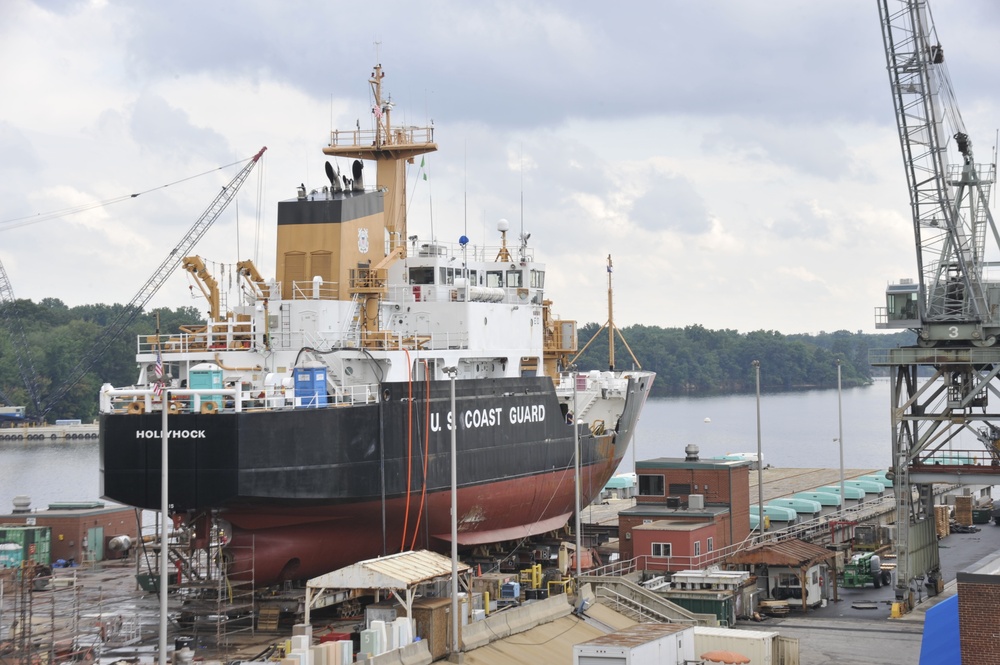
{"points": [[409, 448], [427, 438]]}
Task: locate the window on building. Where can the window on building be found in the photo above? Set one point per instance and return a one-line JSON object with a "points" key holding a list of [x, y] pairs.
{"points": [[711, 544], [650, 485], [697, 548], [661, 550]]}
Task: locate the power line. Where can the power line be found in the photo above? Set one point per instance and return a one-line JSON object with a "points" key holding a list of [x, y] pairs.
{"points": [[17, 222]]}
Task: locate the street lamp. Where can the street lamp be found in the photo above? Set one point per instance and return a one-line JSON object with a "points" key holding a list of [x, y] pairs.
{"points": [[452, 372], [760, 459], [840, 437]]}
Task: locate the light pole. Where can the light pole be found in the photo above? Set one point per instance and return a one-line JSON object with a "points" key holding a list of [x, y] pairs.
{"points": [[840, 437], [760, 458], [452, 372], [164, 529], [576, 456]]}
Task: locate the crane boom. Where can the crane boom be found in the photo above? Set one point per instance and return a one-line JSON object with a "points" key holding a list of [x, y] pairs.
{"points": [[952, 223], [19, 344], [128, 313]]}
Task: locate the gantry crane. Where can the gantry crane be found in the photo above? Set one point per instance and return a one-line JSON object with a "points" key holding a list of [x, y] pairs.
{"points": [[953, 307]]}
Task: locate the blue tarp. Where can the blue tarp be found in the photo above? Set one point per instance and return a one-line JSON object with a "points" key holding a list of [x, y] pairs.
{"points": [[940, 645]]}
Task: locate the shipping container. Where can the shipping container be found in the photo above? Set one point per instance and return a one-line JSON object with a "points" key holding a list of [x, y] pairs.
{"points": [[30, 543], [757, 645], [642, 644]]}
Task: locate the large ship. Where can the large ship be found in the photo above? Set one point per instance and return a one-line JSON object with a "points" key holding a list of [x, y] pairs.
{"points": [[311, 423]]}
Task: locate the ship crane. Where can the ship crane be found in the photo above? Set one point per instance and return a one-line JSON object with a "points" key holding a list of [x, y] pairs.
{"points": [[170, 264], [941, 386]]}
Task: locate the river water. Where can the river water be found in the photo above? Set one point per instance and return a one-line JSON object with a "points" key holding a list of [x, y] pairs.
{"points": [[798, 429]]}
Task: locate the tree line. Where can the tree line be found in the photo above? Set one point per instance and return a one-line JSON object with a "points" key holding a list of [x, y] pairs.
{"points": [[689, 360], [58, 336], [696, 360]]}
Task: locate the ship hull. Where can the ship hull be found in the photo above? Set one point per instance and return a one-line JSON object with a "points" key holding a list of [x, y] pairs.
{"points": [[310, 490]]}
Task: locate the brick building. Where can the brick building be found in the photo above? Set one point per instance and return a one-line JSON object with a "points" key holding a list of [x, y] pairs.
{"points": [[81, 531], [675, 493]]}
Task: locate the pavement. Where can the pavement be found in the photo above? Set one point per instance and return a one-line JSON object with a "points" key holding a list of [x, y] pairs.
{"points": [[859, 629]]}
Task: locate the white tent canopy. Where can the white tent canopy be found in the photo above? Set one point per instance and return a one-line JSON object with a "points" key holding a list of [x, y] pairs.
{"points": [[395, 572]]}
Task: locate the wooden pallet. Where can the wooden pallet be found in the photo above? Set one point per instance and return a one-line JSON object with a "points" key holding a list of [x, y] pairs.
{"points": [[267, 619]]}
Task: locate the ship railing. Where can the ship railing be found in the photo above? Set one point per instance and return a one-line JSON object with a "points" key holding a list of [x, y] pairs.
{"points": [[137, 400], [457, 293], [484, 253], [367, 137], [315, 289], [221, 336]]}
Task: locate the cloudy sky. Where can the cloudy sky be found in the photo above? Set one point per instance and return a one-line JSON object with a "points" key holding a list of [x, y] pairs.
{"points": [[738, 160]]}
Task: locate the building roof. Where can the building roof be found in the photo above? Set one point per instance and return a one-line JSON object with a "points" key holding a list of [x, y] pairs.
{"points": [[683, 463], [662, 511], [638, 634], [670, 525], [396, 571], [791, 552], [550, 643]]}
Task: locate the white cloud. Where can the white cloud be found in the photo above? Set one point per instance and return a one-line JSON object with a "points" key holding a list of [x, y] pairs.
{"points": [[738, 160]]}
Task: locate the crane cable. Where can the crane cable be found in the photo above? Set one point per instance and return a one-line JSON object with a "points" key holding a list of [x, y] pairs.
{"points": [[17, 222]]}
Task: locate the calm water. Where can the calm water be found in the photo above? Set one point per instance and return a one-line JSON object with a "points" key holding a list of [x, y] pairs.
{"points": [[797, 430]]}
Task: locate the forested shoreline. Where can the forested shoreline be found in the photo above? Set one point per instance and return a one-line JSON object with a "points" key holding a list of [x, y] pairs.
{"points": [[688, 361]]}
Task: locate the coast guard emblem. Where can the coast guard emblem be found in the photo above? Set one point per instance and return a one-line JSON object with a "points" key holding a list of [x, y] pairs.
{"points": [[363, 241]]}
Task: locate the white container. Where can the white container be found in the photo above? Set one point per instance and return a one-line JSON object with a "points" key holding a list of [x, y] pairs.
{"points": [[638, 645], [757, 645]]}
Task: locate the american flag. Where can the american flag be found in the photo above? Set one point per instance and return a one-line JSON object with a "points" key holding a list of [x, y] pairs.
{"points": [[377, 110], [159, 365], [158, 388]]}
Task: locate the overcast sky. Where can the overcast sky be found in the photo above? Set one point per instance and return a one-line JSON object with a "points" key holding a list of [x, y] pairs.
{"points": [[739, 160]]}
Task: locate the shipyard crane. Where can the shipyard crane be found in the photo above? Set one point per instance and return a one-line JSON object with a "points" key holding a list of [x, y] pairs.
{"points": [[952, 306], [19, 343], [173, 260]]}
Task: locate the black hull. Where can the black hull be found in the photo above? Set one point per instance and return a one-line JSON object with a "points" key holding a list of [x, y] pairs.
{"points": [[275, 470]]}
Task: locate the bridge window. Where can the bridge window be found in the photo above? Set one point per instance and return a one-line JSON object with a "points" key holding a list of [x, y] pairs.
{"points": [[422, 275], [494, 279], [515, 279], [538, 279]]}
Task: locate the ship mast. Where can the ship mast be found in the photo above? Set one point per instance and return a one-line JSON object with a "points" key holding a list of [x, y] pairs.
{"points": [[611, 321], [391, 148], [612, 331]]}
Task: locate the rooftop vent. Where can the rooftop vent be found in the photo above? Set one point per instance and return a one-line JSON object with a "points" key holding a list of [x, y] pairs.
{"points": [[22, 504], [691, 451]]}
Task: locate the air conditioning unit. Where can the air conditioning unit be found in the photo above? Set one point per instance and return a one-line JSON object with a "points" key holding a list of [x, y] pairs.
{"points": [[673, 502], [696, 501]]}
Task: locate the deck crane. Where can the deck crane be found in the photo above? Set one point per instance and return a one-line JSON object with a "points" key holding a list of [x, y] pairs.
{"points": [[953, 307], [128, 313]]}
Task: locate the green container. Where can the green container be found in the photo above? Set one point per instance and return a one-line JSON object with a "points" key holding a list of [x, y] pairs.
{"points": [[20, 544], [981, 515], [148, 582]]}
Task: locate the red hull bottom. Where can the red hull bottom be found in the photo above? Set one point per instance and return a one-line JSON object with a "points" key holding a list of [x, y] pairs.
{"points": [[299, 543]]}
